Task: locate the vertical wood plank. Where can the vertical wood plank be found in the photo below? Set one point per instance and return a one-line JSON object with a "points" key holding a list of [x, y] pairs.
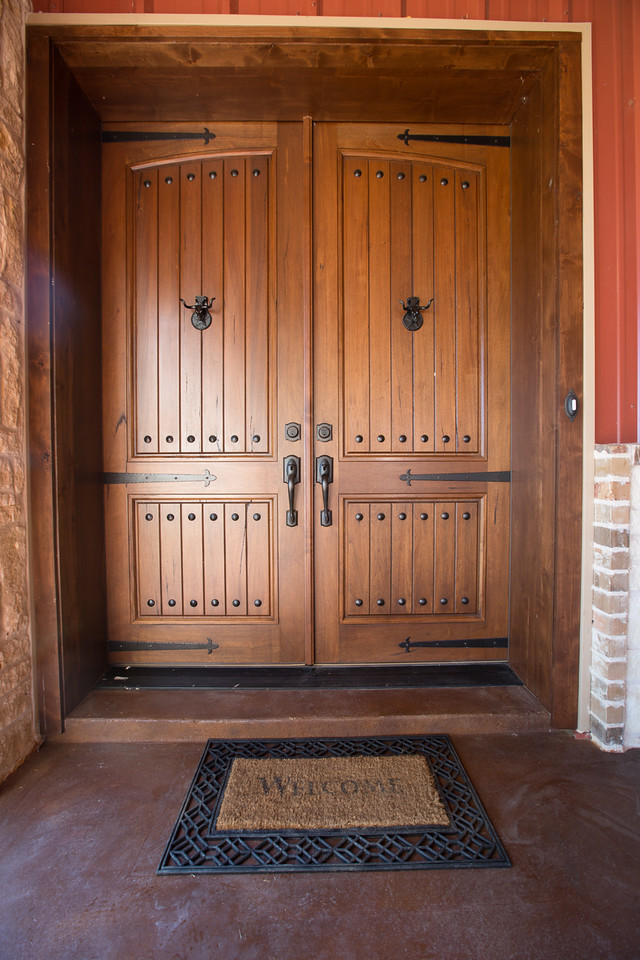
{"points": [[235, 552], [191, 286], [169, 310], [234, 305], [307, 187], [379, 321], [401, 287], [291, 264], [39, 253], [257, 170], [213, 286], [533, 158], [466, 520], [423, 564], [445, 308], [380, 553], [401, 558], [215, 588], [72, 317], [355, 305], [192, 559], [329, 378], [260, 573], [445, 557], [566, 652], [468, 305], [147, 572], [423, 284], [356, 588], [146, 311], [171, 558]]}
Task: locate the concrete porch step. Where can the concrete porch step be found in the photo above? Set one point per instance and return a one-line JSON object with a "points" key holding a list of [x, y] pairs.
{"points": [[195, 715]]}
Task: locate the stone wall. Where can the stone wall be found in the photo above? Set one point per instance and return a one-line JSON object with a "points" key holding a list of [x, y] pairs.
{"points": [[17, 727], [631, 736], [616, 571]]}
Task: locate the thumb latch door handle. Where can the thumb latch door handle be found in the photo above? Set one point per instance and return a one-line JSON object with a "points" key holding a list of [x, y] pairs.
{"points": [[291, 476], [324, 476]]}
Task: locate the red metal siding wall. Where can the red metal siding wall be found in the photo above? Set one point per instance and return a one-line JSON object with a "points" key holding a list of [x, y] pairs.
{"points": [[616, 69]]}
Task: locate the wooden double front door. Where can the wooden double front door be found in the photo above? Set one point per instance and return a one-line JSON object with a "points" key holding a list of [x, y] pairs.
{"points": [[306, 394]]}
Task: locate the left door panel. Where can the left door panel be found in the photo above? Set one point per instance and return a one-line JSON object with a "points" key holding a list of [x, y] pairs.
{"points": [[200, 304]]}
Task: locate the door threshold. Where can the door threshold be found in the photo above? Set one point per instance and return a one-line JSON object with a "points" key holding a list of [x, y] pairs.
{"points": [[108, 715], [314, 677]]}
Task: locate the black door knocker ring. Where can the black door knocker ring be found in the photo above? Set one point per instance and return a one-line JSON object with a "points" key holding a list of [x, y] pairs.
{"points": [[413, 319], [200, 318]]}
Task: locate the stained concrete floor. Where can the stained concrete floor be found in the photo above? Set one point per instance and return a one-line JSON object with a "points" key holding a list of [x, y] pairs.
{"points": [[83, 826]]}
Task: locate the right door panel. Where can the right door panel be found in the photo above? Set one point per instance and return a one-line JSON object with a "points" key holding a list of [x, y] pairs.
{"points": [[412, 366]]}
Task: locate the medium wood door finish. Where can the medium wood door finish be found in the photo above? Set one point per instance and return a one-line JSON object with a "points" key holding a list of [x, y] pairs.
{"points": [[205, 568], [405, 560], [202, 565]]}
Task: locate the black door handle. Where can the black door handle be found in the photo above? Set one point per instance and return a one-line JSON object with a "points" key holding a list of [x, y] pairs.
{"points": [[324, 476], [291, 476]]}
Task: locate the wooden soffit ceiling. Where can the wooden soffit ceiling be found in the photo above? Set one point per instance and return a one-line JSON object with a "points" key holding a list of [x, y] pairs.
{"points": [[147, 73]]}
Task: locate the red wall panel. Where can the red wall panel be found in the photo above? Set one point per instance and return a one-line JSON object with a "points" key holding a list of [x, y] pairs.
{"points": [[363, 8], [543, 11], [616, 46], [85, 6], [616, 70], [280, 8], [447, 9], [189, 6]]}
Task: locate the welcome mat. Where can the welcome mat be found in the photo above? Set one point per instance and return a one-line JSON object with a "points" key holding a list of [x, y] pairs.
{"points": [[331, 804]]}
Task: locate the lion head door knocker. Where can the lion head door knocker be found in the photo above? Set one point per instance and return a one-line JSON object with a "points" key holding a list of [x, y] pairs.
{"points": [[413, 318], [200, 318]]}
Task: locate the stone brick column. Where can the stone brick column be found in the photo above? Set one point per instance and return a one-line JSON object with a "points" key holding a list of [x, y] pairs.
{"points": [[632, 705], [17, 727], [611, 596]]}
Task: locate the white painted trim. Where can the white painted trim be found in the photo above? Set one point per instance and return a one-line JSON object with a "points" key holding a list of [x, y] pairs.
{"points": [[429, 25], [589, 379], [250, 20]]}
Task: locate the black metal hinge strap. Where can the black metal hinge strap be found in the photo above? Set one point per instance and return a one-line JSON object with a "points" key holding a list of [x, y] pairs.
{"points": [[492, 642], [207, 477], [496, 476], [131, 645], [479, 140], [137, 136]]}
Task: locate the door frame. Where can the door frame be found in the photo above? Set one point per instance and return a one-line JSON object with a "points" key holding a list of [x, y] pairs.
{"points": [[540, 91]]}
